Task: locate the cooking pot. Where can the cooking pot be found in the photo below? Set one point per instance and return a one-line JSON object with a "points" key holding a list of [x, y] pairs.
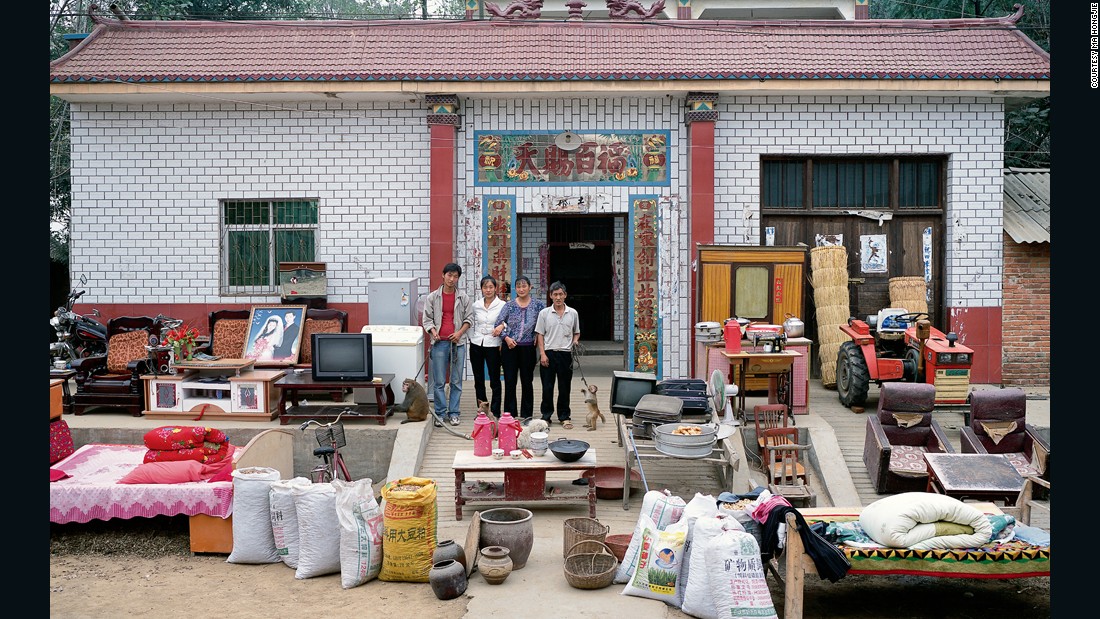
{"points": [[794, 327], [568, 449]]}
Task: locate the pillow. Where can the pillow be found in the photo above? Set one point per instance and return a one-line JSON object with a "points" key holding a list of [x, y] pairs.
{"points": [[172, 472]]}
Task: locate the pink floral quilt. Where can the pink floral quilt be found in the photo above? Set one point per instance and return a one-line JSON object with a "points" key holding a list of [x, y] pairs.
{"points": [[92, 491]]}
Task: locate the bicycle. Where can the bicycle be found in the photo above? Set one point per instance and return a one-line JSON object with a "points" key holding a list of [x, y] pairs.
{"points": [[330, 438]]}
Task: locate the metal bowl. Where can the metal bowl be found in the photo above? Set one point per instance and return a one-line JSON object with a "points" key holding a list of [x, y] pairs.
{"points": [[568, 449]]}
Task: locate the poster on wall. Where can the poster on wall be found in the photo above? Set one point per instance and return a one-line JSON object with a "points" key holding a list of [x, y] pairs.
{"points": [[769, 236], [825, 240], [872, 253], [926, 255]]}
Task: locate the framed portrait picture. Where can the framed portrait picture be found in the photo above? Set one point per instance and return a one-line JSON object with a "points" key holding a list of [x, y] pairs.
{"points": [[274, 334]]}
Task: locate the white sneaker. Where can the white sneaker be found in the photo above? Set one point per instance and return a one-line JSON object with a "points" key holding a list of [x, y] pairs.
{"points": [[454, 420]]}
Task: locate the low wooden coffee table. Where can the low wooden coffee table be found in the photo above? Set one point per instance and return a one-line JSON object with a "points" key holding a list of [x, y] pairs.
{"points": [[293, 383], [524, 480], [982, 477]]}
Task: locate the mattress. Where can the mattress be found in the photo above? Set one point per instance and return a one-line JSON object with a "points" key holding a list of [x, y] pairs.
{"points": [[92, 491]]}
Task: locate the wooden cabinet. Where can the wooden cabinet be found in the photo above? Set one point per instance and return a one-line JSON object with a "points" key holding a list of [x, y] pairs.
{"points": [[56, 394], [763, 284], [249, 395]]}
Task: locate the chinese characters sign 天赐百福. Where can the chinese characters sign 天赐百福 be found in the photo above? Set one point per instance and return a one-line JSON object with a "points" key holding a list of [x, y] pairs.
{"points": [[532, 158]]}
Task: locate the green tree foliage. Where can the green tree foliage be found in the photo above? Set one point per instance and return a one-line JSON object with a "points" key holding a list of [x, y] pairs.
{"points": [[1027, 125]]}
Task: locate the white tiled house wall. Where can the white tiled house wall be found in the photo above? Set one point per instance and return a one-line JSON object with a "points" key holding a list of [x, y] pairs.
{"points": [[591, 115], [146, 181], [969, 130]]}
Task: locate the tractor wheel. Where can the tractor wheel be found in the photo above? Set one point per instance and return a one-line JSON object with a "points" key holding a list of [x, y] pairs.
{"points": [[912, 363], [852, 378]]}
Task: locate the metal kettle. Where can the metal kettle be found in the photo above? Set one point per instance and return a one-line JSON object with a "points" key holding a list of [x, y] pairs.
{"points": [[794, 327]]}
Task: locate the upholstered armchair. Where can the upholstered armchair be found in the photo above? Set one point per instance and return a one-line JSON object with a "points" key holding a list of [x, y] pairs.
{"points": [[899, 435], [998, 425], [319, 321], [114, 379], [228, 332]]}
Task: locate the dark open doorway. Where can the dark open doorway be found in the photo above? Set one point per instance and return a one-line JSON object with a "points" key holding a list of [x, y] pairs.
{"points": [[580, 256]]}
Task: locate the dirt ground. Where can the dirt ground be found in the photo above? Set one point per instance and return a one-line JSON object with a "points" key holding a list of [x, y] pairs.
{"points": [[104, 569]]}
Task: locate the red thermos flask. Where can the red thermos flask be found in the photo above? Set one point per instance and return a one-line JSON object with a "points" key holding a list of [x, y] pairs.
{"points": [[732, 335]]}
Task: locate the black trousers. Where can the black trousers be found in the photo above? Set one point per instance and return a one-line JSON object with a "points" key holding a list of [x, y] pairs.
{"points": [[480, 358], [519, 366], [561, 370]]}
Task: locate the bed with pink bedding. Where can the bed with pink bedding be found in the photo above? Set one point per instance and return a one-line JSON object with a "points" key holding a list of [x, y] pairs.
{"points": [[92, 490]]}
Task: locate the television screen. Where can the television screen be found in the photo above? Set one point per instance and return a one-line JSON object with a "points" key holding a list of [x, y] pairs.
{"points": [[342, 356], [629, 387]]}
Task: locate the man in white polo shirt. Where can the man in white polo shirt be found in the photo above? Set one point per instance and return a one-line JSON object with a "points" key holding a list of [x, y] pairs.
{"points": [[557, 330]]}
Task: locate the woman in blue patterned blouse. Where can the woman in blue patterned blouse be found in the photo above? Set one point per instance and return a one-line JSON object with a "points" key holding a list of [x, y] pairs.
{"points": [[517, 354]]}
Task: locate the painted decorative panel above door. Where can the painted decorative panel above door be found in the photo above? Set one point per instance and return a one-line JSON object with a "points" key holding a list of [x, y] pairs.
{"points": [[519, 158]]}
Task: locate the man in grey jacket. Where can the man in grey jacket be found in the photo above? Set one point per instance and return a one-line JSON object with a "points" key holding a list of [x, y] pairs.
{"points": [[448, 314]]}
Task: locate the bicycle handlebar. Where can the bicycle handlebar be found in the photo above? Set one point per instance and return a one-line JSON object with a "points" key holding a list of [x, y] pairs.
{"points": [[346, 411]]}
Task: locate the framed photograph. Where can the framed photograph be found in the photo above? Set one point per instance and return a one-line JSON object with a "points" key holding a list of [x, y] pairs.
{"points": [[274, 334]]}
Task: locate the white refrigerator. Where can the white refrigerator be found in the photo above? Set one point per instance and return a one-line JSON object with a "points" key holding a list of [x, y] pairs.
{"points": [[397, 350], [392, 301]]}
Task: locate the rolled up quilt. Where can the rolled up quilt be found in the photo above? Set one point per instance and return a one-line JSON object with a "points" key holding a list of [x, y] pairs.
{"points": [[215, 452], [921, 521]]}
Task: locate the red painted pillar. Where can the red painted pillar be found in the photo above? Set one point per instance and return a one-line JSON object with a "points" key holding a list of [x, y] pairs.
{"points": [[442, 120], [701, 117]]}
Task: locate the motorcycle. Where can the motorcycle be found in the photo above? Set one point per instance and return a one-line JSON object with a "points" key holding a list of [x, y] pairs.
{"points": [[78, 336]]}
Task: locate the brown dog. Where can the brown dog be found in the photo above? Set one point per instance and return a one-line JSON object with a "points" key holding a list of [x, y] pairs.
{"points": [[593, 408]]}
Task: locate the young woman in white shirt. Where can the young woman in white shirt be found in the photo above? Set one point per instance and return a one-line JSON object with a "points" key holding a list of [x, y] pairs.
{"points": [[485, 344]]}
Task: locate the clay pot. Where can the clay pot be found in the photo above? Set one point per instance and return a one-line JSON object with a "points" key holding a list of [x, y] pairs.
{"points": [[449, 549], [448, 579], [510, 527], [494, 564]]}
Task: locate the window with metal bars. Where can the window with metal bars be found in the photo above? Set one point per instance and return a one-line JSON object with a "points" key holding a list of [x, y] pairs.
{"points": [[259, 234], [879, 183]]}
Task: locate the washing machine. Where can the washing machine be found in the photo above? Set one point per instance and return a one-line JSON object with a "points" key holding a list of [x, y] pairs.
{"points": [[397, 350]]}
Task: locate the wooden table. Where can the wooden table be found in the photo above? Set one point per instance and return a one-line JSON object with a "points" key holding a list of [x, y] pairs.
{"points": [[226, 365], [66, 397], [293, 383], [524, 480], [982, 477], [777, 366]]}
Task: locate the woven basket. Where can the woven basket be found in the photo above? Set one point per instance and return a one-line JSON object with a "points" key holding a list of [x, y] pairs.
{"points": [[582, 529], [591, 570], [619, 543]]}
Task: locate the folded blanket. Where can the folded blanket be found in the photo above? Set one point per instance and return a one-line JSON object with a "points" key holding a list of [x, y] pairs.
{"points": [[917, 520], [177, 443], [214, 452], [182, 437]]}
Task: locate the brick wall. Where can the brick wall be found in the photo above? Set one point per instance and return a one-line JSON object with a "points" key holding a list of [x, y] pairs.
{"points": [[1026, 331], [146, 181], [967, 129]]}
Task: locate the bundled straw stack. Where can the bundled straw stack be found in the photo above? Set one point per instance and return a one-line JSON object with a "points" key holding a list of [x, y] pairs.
{"points": [[910, 293], [829, 269]]}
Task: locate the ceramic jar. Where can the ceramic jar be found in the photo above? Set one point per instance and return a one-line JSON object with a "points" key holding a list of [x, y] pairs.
{"points": [[449, 549], [510, 527], [494, 564], [448, 579]]}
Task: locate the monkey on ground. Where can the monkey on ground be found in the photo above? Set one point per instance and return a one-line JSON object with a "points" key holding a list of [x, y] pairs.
{"points": [[593, 408], [415, 404]]}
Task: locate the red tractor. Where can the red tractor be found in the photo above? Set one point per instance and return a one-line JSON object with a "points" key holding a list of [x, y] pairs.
{"points": [[901, 345]]}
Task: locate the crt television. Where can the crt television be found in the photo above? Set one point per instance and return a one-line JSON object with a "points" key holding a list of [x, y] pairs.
{"points": [[629, 387], [342, 356]]}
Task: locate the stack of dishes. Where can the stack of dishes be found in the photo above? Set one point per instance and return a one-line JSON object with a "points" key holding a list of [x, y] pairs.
{"points": [[539, 443]]}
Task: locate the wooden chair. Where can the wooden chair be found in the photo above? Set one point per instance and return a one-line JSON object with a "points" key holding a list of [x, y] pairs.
{"points": [[780, 437], [786, 472], [114, 379], [228, 332], [1027, 501], [769, 417]]}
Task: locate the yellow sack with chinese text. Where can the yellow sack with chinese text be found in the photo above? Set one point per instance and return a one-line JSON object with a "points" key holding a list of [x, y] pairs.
{"points": [[408, 529]]}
